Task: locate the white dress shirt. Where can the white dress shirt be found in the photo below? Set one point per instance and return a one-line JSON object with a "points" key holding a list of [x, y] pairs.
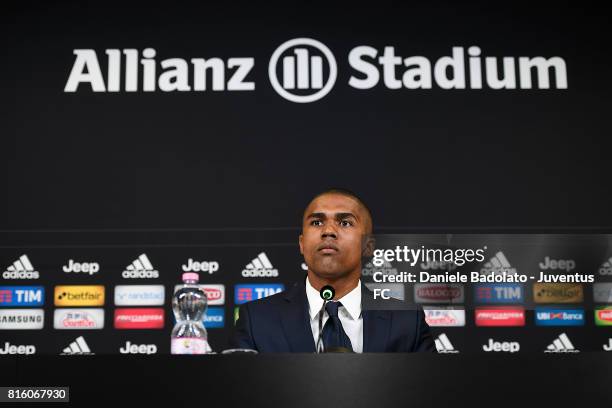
{"points": [[349, 314]]}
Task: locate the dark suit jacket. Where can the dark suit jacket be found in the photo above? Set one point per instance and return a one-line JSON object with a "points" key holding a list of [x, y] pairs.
{"points": [[280, 323]]}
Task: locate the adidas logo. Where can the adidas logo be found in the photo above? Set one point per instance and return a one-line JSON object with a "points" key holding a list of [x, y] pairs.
{"points": [[21, 269], [443, 344], [498, 265], [386, 269], [260, 267], [78, 346], [140, 268], [606, 268], [561, 344]]}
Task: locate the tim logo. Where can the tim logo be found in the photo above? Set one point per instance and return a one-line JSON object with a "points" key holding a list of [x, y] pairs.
{"points": [[302, 70], [246, 293], [22, 296], [499, 293]]}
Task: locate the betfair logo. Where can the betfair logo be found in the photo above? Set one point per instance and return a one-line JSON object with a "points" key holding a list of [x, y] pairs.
{"points": [[557, 293], [73, 295]]}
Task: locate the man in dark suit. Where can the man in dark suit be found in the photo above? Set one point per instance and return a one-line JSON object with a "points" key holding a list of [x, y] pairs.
{"points": [[333, 229]]}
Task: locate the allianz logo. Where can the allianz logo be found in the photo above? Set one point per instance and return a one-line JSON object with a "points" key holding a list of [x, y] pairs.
{"points": [[9, 348], [201, 266], [89, 268], [566, 265], [130, 348], [438, 265], [501, 346], [304, 70]]}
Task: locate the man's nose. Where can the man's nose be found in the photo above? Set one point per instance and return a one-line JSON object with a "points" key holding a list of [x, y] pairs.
{"points": [[329, 232]]}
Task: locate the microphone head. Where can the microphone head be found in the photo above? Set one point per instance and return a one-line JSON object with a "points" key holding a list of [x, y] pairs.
{"points": [[327, 292]]}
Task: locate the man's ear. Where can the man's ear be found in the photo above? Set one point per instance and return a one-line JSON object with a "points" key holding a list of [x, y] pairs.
{"points": [[301, 244], [369, 244]]}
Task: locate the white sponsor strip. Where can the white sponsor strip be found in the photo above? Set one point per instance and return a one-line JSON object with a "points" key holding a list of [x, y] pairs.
{"points": [[217, 289], [139, 295], [78, 319], [22, 319], [444, 317], [395, 290], [602, 292]]}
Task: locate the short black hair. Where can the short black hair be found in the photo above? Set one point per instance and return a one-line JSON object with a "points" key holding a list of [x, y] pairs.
{"points": [[344, 192]]}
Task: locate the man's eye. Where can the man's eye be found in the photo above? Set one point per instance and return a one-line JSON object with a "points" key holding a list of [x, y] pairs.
{"points": [[346, 223], [316, 222]]}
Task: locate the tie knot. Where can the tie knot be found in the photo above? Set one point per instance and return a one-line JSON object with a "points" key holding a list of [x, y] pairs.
{"points": [[332, 308]]}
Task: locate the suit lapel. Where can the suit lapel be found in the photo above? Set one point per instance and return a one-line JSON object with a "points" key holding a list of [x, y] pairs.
{"points": [[296, 322], [376, 324]]}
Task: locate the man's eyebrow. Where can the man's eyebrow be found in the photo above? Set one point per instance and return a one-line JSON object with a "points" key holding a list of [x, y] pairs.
{"points": [[316, 215], [345, 215], [336, 215]]}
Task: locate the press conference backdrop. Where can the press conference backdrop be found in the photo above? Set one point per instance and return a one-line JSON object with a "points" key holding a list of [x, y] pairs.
{"points": [[142, 140]]}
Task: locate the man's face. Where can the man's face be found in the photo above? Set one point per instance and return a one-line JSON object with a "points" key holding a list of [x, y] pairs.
{"points": [[332, 232]]}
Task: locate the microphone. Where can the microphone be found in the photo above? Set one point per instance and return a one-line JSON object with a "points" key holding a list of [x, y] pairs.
{"points": [[327, 293]]}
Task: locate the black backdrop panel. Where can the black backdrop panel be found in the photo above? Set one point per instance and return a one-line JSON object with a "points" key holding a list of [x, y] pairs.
{"points": [[420, 157], [225, 174]]}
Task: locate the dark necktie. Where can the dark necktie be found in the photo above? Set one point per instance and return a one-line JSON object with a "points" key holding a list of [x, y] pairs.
{"points": [[333, 333]]}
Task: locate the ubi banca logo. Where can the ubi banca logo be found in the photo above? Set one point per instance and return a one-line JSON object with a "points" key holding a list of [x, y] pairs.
{"points": [[303, 70]]}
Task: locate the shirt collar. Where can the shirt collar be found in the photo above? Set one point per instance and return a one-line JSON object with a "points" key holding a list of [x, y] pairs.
{"points": [[351, 301]]}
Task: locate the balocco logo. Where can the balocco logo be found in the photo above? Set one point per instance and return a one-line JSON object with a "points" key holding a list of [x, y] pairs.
{"points": [[308, 70]]}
